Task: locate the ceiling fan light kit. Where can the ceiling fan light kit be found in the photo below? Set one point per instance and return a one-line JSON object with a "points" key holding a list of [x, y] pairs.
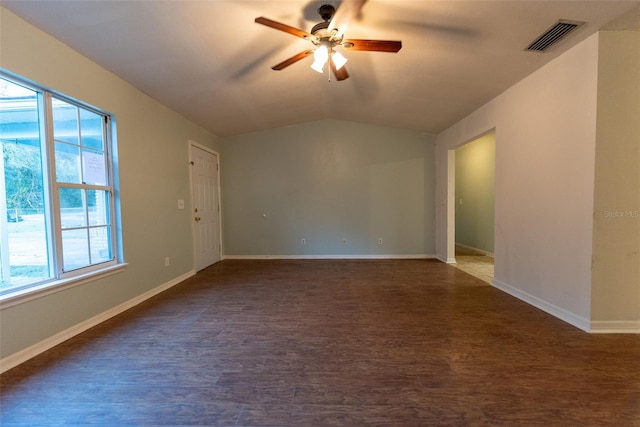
{"points": [[327, 36]]}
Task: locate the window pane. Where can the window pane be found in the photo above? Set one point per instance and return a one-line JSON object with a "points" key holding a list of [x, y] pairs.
{"points": [[91, 129], [98, 202], [100, 244], [24, 255], [67, 163], [65, 122], [75, 249], [94, 167], [72, 208]]}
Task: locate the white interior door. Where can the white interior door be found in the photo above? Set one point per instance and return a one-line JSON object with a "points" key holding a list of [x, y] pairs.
{"points": [[205, 205]]}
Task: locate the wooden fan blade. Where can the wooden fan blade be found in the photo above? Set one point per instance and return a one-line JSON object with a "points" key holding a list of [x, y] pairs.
{"points": [[347, 11], [340, 74], [372, 45], [283, 27], [292, 60]]}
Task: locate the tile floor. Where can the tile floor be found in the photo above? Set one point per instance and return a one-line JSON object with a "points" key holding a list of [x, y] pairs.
{"points": [[474, 263]]}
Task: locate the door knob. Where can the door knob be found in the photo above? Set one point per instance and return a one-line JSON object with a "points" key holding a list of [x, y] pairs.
{"points": [[198, 218]]}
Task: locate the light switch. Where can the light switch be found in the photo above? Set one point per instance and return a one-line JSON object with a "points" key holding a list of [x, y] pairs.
{"points": [[180, 204]]}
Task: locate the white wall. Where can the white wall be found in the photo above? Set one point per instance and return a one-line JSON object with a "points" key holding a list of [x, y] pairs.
{"points": [[153, 164], [324, 181], [616, 241], [545, 151]]}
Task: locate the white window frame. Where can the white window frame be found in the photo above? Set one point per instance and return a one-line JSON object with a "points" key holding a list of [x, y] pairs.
{"points": [[59, 278]]}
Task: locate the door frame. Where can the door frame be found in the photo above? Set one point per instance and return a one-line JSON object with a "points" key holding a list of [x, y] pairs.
{"points": [[191, 144]]}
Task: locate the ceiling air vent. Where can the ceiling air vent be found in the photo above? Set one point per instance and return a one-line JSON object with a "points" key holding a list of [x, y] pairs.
{"points": [[553, 35]]}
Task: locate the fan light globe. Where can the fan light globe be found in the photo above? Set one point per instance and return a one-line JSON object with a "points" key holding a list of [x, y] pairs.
{"points": [[320, 57], [317, 66], [339, 60]]}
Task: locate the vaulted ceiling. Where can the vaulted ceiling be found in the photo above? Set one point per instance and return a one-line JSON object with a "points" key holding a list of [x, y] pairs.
{"points": [[212, 63]]}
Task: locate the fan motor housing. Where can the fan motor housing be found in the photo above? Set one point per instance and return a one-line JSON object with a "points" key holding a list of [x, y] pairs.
{"points": [[326, 12], [320, 29]]}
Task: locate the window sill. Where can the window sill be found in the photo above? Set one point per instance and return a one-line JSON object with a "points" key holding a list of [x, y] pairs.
{"points": [[23, 295]]}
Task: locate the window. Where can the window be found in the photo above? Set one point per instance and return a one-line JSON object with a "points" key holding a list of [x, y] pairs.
{"points": [[57, 193]]}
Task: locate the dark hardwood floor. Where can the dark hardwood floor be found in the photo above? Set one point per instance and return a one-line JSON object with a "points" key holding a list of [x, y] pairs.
{"points": [[330, 343]]}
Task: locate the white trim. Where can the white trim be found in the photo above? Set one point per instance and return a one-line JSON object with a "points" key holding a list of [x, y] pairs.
{"points": [[44, 345], [5, 265], [51, 287], [409, 256], [615, 327], [451, 206], [554, 310], [446, 260]]}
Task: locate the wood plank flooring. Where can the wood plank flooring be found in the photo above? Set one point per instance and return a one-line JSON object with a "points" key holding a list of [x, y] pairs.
{"points": [[330, 343]]}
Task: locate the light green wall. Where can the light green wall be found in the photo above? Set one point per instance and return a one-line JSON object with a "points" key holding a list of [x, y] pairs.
{"points": [[616, 236], [475, 193], [153, 164], [324, 181]]}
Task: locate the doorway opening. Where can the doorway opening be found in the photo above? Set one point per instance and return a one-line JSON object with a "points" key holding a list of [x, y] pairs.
{"points": [[475, 206]]}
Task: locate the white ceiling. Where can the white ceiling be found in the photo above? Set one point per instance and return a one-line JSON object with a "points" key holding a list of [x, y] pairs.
{"points": [[209, 61]]}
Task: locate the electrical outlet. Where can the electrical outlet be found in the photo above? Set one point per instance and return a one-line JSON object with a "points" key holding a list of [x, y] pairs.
{"points": [[379, 240], [166, 261], [303, 241]]}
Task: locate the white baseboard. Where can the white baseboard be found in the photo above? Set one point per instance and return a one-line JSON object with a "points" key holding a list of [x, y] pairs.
{"points": [[615, 327], [471, 248], [383, 256], [562, 314], [44, 345]]}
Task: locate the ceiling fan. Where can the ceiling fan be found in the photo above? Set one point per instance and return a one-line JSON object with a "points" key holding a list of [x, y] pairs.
{"points": [[328, 35]]}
